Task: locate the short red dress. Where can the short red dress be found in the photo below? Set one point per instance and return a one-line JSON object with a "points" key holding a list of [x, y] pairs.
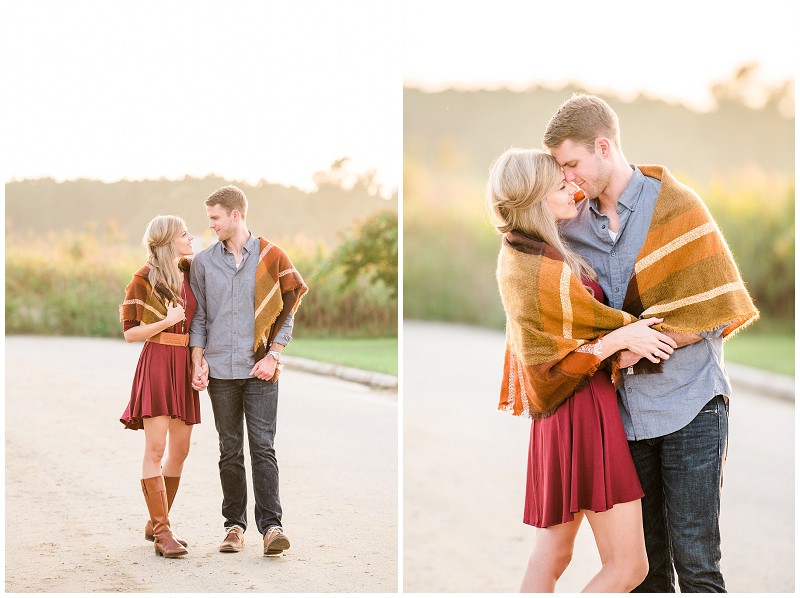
{"points": [[162, 384], [579, 457]]}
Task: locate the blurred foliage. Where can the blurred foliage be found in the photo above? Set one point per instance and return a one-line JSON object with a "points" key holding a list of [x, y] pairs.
{"points": [[454, 278], [756, 215], [463, 131], [369, 250], [68, 284], [275, 211], [72, 284], [739, 157]]}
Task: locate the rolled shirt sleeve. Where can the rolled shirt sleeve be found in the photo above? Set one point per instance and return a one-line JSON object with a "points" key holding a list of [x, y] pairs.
{"points": [[284, 335], [197, 333]]}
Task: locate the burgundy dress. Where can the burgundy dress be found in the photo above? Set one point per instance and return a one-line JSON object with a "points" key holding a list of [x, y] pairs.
{"points": [[579, 457], [162, 383]]}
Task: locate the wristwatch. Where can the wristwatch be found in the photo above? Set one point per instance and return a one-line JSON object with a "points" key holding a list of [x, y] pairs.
{"points": [[275, 355]]}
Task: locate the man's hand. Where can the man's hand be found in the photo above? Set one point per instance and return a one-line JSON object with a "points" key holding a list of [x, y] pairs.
{"points": [[200, 375], [628, 358], [683, 339], [265, 368]]}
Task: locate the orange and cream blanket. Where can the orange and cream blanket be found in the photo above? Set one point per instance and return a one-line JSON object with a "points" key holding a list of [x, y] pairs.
{"points": [[145, 304], [275, 275], [684, 273]]}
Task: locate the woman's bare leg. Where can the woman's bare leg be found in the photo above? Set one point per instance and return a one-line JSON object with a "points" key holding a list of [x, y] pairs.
{"points": [[180, 436], [620, 539], [550, 557], [155, 443]]}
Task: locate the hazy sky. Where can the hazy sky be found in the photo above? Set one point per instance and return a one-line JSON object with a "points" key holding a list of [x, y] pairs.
{"points": [[279, 89], [276, 90], [670, 49]]}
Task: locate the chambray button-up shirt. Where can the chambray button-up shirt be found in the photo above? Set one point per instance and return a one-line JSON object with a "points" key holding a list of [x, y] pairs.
{"points": [[651, 405], [225, 316]]}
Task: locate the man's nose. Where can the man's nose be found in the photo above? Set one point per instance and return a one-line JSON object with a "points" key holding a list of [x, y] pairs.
{"points": [[569, 176]]}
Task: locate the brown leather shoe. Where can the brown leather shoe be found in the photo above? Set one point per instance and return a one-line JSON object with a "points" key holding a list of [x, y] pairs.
{"points": [[275, 541], [155, 495], [172, 489], [234, 541]]}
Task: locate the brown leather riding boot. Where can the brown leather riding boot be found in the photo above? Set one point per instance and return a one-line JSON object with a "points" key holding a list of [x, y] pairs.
{"points": [[172, 489], [155, 495]]}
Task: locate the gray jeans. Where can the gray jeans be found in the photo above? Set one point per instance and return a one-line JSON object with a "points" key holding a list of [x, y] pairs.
{"points": [[255, 402], [681, 474]]}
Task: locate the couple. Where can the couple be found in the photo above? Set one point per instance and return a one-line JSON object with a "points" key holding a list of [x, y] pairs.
{"points": [[219, 321], [634, 285]]}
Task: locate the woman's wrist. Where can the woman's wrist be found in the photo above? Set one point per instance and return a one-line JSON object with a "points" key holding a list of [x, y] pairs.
{"points": [[613, 342]]}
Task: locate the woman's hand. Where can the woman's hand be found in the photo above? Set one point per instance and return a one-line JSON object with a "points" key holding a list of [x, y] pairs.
{"points": [[175, 313], [200, 375], [643, 340]]}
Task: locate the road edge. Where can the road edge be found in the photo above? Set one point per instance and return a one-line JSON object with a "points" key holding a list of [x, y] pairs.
{"points": [[376, 379]]}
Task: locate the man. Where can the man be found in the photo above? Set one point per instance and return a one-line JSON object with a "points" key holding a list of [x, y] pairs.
{"points": [[247, 291], [648, 237]]}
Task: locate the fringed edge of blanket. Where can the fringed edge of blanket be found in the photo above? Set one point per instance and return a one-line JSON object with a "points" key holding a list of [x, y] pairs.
{"points": [[733, 326], [526, 413]]}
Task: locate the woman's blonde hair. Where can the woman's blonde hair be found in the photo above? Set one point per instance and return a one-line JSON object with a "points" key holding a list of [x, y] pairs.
{"points": [[516, 192], [164, 276]]}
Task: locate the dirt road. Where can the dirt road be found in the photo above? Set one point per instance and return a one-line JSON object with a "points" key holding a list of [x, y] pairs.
{"points": [[464, 477], [74, 507]]}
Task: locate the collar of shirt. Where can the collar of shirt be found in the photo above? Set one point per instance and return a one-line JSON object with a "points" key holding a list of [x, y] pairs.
{"points": [[630, 196], [250, 246]]}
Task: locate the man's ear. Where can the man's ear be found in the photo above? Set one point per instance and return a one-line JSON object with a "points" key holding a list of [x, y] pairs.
{"points": [[603, 146]]}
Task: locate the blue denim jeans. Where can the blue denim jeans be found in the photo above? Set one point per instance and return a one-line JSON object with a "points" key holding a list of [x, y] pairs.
{"points": [[255, 402], [681, 474]]}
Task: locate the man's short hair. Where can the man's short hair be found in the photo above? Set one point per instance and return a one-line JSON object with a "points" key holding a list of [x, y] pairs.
{"points": [[230, 198], [582, 119]]}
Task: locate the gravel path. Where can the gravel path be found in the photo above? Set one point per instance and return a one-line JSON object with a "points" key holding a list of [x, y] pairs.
{"points": [[464, 477], [75, 512]]}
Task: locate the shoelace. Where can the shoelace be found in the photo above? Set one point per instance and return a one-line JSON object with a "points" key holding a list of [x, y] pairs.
{"points": [[233, 528]]}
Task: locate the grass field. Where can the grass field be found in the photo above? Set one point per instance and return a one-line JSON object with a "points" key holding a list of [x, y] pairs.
{"points": [[773, 352], [371, 354]]}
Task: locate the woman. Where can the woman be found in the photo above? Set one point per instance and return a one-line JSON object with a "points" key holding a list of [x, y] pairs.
{"points": [[559, 336], [158, 309]]}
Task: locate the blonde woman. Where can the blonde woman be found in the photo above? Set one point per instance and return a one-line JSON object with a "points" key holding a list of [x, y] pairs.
{"points": [[158, 309], [561, 339]]}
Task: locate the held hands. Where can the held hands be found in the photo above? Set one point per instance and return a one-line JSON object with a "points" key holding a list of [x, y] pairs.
{"points": [[200, 375], [175, 313], [647, 342]]}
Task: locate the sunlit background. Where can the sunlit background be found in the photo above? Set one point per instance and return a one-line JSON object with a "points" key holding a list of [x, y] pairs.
{"points": [[245, 90], [118, 111], [704, 88]]}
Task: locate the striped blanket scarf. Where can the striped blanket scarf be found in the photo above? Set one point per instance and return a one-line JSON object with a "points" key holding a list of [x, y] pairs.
{"points": [[275, 275], [684, 273], [144, 304]]}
